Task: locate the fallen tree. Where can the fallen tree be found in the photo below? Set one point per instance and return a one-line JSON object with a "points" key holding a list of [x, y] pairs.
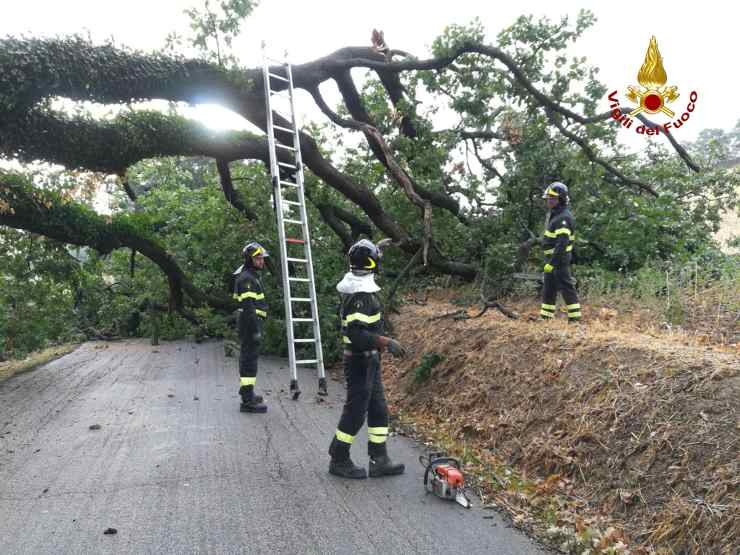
{"points": [[33, 72]]}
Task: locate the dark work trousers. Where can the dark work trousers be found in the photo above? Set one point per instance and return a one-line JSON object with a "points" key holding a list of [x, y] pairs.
{"points": [[365, 395], [560, 280], [250, 335]]}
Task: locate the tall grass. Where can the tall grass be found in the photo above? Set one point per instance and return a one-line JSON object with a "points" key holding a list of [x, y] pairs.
{"points": [[700, 295]]}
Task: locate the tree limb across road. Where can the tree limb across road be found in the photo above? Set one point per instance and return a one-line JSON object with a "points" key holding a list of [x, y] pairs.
{"points": [[35, 71]]}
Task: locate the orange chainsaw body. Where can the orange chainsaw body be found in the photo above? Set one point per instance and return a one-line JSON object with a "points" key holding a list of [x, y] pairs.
{"points": [[450, 474]]}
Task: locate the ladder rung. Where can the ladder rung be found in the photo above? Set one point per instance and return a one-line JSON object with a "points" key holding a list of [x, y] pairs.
{"points": [[283, 129], [295, 241], [279, 62], [304, 341], [296, 260], [287, 165], [308, 361], [305, 280], [285, 147], [294, 203], [300, 299], [289, 183], [303, 319], [289, 221], [278, 76]]}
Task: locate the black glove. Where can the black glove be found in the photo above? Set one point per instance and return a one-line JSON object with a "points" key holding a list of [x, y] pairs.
{"points": [[396, 349]]}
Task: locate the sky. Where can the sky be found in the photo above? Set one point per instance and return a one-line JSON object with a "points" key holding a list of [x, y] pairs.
{"points": [[698, 41]]}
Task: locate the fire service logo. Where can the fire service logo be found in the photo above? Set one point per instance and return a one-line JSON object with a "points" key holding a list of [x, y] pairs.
{"points": [[652, 97]]}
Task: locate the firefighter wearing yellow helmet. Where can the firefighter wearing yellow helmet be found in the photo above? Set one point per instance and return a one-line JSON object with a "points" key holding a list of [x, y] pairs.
{"points": [[558, 246]]}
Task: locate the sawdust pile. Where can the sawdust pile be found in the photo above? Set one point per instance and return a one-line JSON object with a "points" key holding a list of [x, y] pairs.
{"points": [[632, 432]]}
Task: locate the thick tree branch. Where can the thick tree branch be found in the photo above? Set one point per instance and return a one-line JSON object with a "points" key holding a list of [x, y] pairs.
{"points": [[381, 150], [233, 196], [44, 213], [132, 76], [127, 187], [129, 76], [112, 146], [330, 218], [344, 60], [358, 225], [588, 151]]}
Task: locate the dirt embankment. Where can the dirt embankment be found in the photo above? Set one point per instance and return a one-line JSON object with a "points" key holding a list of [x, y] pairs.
{"points": [[600, 436]]}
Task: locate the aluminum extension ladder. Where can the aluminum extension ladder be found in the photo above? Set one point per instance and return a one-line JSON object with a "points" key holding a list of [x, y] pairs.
{"points": [[299, 289]]}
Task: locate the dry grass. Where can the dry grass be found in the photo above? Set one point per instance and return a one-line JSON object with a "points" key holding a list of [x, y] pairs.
{"points": [[13, 367], [610, 437]]}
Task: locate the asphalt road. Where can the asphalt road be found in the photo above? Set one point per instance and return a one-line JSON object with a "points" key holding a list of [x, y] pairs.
{"points": [[176, 468]]}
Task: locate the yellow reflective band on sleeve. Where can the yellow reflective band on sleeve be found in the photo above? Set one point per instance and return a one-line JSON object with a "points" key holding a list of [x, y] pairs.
{"points": [[574, 315], [546, 314], [569, 248], [249, 295], [376, 439], [259, 312], [550, 234], [573, 307], [550, 307], [346, 438], [247, 381], [360, 317], [346, 340], [562, 231]]}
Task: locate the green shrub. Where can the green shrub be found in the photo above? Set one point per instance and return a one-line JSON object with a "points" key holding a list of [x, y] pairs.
{"points": [[424, 370]]}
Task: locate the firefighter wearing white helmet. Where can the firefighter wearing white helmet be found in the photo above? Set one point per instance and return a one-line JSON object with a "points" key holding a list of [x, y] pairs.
{"points": [[252, 313], [558, 246]]}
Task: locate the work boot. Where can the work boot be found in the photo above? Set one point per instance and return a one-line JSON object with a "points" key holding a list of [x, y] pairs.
{"points": [[251, 402], [248, 390], [380, 462], [341, 465]]}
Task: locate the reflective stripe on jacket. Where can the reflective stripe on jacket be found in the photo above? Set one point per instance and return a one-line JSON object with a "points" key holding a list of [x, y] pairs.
{"points": [[559, 236], [248, 292], [362, 321]]}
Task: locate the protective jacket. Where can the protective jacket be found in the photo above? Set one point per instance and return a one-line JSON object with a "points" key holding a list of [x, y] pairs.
{"points": [[248, 292], [559, 236]]}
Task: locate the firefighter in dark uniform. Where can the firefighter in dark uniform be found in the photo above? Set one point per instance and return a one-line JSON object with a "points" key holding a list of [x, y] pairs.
{"points": [[363, 340], [558, 246], [252, 313]]}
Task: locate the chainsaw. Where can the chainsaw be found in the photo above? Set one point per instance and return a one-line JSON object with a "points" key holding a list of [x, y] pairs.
{"points": [[443, 478]]}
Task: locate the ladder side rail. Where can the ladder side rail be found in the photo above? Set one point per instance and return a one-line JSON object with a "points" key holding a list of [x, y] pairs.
{"points": [[275, 173], [306, 235]]}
